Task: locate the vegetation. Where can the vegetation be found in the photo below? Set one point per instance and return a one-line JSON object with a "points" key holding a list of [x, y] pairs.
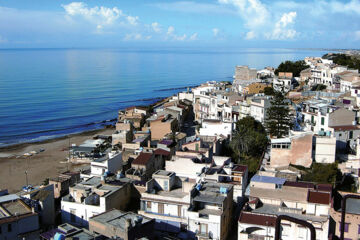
{"points": [[322, 173], [279, 120], [345, 60], [318, 87], [248, 142], [269, 91], [294, 67]]}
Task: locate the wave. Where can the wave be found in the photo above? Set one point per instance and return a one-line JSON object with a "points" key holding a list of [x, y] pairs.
{"points": [[177, 88]]}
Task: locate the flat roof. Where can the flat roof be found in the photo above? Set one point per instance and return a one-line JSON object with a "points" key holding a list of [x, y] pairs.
{"points": [[116, 218], [267, 179]]}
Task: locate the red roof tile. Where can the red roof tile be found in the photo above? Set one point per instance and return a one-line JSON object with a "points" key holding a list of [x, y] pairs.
{"points": [[257, 219], [163, 152], [239, 168], [319, 197], [142, 159], [324, 187], [299, 184], [345, 128]]}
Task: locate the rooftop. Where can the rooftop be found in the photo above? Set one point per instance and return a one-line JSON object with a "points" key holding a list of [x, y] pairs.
{"points": [[267, 179], [277, 210], [143, 158], [117, 219]]}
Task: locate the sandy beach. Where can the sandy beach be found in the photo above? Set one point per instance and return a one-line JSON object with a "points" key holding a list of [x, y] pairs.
{"points": [[46, 164]]}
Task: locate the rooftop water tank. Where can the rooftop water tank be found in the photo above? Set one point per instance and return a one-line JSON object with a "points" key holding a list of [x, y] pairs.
{"points": [[59, 236]]}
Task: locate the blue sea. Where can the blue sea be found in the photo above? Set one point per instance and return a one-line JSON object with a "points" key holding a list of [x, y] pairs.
{"points": [[48, 93]]}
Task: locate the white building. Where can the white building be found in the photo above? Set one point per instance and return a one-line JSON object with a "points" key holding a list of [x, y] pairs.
{"points": [[259, 106], [111, 163], [91, 197], [215, 128]]}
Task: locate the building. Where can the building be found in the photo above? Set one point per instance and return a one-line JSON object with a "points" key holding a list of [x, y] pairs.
{"points": [[116, 224], [244, 73], [325, 149], [270, 197], [259, 105], [144, 165], [63, 182], [91, 197], [255, 88], [41, 199], [68, 231], [163, 125], [111, 163], [167, 199], [352, 217], [17, 220], [296, 150], [218, 128], [210, 212]]}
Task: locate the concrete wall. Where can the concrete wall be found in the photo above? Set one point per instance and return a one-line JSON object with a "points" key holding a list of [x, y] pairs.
{"points": [[325, 149], [300, 153], [341, 117], [28, 226]]}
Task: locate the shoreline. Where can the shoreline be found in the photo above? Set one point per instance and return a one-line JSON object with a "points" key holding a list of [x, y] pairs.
{"points": [[21, 145]]}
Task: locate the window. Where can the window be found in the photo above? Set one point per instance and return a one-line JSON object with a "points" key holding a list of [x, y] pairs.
{"points": [[203, 228], [161, 208], [148, 206], [351, 134], [9, 227], [359, 229], [312, 119], [166, 185], [322, 120], [179, 210], [346, 228]]}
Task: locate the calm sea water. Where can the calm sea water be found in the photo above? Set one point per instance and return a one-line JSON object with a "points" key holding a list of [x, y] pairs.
{"points": [[47, 93]]}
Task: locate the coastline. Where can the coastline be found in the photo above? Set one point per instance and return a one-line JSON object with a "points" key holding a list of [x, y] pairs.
{"points": [[46, 164]]}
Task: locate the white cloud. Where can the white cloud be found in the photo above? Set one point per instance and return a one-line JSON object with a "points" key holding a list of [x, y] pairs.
{"points": [[352, 6], [156, 27], [99, 15], [170, 30], [170, 35], [250, 35], [135, 37], [253, 12], [215, 32], [283, 28], [132, 20], [193, 37]]}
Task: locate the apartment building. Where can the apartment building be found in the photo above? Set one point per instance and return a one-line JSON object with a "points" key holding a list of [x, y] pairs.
{"points": [[210, 212], [116, 224], [91, 197], [111, 163], [272, 196], [167, 199]]}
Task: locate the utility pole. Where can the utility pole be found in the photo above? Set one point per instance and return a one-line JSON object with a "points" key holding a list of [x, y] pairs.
{"points": [[26, 175]]}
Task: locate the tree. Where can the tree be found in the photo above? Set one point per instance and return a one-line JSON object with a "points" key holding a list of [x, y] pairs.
{"points": [[269, 91], [318, 87], [248, 142], [294, 67], [279, 121], [323, 173]]}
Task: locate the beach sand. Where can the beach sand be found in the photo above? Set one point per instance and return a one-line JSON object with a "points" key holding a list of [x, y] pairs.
{"points": [[46, 164]]}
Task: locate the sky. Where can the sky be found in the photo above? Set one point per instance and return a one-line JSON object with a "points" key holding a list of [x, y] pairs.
{"points": [[168, 23]]}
